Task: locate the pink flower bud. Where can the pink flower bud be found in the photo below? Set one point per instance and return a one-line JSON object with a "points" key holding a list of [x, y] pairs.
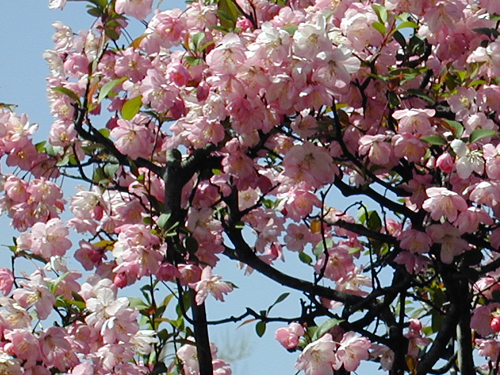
{"points": [[445, 162]]}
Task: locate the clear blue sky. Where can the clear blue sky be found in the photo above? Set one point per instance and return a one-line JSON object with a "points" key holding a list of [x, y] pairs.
{"points": [[25, 29]]}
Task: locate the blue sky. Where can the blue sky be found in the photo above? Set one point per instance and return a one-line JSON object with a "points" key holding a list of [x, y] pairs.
{"points": [[25, 29]]}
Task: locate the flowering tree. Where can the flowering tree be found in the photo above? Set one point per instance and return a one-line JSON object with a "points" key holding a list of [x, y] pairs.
{"points": [[232, 129]]}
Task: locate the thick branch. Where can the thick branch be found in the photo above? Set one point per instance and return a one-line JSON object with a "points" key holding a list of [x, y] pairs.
{"points": [[200, 327], [442, 339]]}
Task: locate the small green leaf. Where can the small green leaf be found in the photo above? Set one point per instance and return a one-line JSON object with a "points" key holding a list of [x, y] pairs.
{"points": [[163, 219], [228, 13], [193, 61], [490, 33], [456, 127], [131, 107], [422, 95], [67, 92], [320, 247], [112, 34], [304, 258], [435, 140], [197, 39], [380, 27], [478, 134], [137, 303], [400, 39], [260, 328], [106, 89], [94, 11], [291, 29], [407, 25], [105, 132], [374, 222], [55, 284], [110, 170], [325, 327], [281, 298], [381, 12]]}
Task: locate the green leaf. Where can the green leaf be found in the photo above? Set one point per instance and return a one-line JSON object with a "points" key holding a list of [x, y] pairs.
{"points": [[228, 13], [112, 34], [281, 298], [193, 61], [374, 222], [110, 170], [100, 3], [204, 46], [67, 92], [490, 33], [106, 89], [137, 303], [435, 140], [380, 27], [94, 11], [260, 328], [291, 29], [325, 327], [320, 247], [105, 132], [381, 12], [304, 258], [420, 94], [131, 107], [400, 39], [456, 127], [163, 219], [55, 284], [407, 25], [197, 39], [478, 134]]}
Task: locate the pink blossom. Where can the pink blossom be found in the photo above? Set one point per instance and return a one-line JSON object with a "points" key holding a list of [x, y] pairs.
{"points": [[485, 286], [339, 263], [310, 164], [481, 317], [445, 162], [449, 238], [376, 147], [24, 345], [298, 203], [469, 220], [50, 239], [443, 202], [415, 241], [6, 280], [35, 292], [352, 350], [221, 367], [157, 91], [289, 336], [135, 8], [56, 349], [318, 357], [414, 263], [298, 236], [132, 139], [415, 121], [212, 284], [10, 365], [132, 64]]}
